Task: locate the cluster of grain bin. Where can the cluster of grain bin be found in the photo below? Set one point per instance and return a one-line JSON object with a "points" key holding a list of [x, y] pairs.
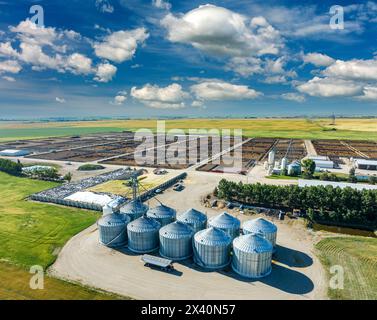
{"points": [[210, 243]]}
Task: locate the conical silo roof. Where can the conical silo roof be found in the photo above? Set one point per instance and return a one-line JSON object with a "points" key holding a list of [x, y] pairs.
{"points": [[252, 243], [161, 211], [133, 207], [176, 230], [114, 219], [144, 224], [259, 225], [192, 216], [224, 221], [212, 237]]}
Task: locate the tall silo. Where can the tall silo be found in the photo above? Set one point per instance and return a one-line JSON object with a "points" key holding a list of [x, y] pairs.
{"points": [[163, 214], [134, 209], [227, 223], [212, 248], [176, 241], [194, 218], [113, 230], [143, 235], [252, 256], [261, 226], [271, 157]]}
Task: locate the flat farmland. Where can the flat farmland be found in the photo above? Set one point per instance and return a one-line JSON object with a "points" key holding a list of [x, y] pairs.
{"points": [[352, 129]]}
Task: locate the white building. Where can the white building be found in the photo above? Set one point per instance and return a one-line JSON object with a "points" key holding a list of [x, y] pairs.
{"points": [[365, 164], [14, 153], [342, 185]]}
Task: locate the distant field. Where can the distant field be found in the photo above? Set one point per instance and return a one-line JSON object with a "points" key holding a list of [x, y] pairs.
{"points": [[360, 129], [358, 256], [32, 234]]}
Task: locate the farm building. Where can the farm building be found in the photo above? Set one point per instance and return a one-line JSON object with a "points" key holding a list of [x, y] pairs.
{"points": [[365, 164], [322, 162], [342, 185], [14, 153]]}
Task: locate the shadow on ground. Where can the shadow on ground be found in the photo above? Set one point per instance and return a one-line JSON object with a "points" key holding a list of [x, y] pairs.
{"points": [[292, 258]]}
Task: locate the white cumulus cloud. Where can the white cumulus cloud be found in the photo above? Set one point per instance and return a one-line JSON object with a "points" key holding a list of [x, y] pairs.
{"points": [[223, 91], [318, 59], [330, 87], [171, 96], [10, 66], [60, 100], [293, 96], [105, 72], [355, 69], [120, 45], [219, 31]]}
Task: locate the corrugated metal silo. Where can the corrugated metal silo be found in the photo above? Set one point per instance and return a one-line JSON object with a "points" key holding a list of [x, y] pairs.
{"points": [[194, 218], [176, 241], [227, 223], [113, 230], [162, 214], [134, 209], [212, 248], [261, 226], [252, 256], [143, 235]]}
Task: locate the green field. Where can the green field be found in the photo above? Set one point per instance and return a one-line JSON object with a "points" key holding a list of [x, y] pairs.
{"points": [[358, 256], [363, 129], [32, 234]]}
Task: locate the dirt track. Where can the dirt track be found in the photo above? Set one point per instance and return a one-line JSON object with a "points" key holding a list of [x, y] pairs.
{"points": [[296, 274]]}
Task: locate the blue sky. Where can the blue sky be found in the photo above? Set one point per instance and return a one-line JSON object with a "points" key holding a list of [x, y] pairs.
{"points": [[151, 58]]}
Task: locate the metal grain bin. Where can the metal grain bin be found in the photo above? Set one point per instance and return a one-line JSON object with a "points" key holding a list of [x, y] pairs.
{"points": [[113, 230], [261, 226], [212, 248], [252, 256], [143, 235], [176, 241], [227, 223], [163, 214], [194, 218], [134, 209]]}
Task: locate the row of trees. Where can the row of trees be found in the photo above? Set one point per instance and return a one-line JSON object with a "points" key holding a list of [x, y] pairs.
{"points": [[10, 167], [324, 203]]}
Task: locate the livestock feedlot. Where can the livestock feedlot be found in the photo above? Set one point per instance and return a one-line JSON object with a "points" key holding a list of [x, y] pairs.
{"points": [[119, 149]]}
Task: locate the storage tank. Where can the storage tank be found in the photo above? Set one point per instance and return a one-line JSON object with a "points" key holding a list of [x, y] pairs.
{"points": [[134, 209], [113, 230], [227, 223], [194, 218], [176, 241], [271, 157], [162, 214], [252, 256], [261, 226], [284, 163], [212, 248], [143, 235]]}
